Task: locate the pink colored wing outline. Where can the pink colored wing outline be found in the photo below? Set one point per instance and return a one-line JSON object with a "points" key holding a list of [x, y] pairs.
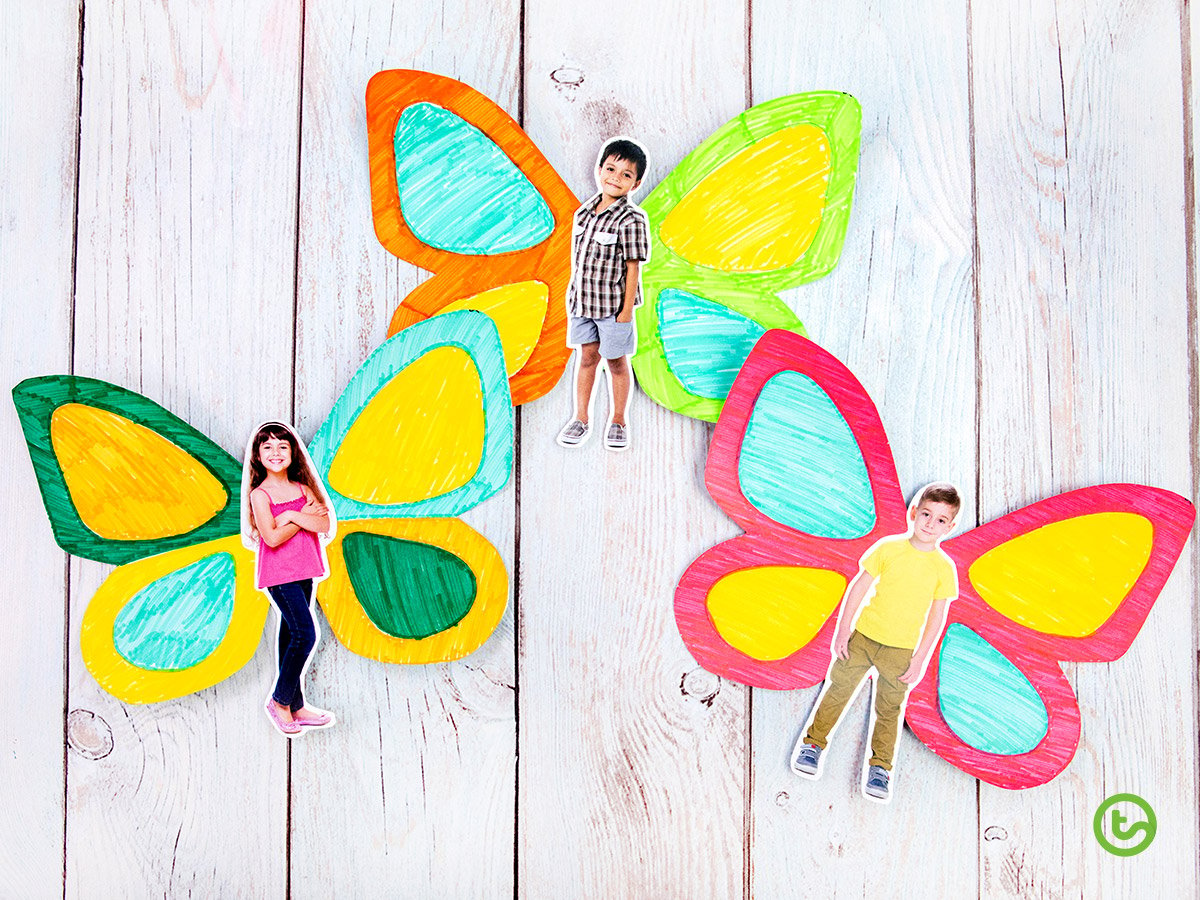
{"points": [[1035, 654], [808, 665], [768, 542], [781, 351]]}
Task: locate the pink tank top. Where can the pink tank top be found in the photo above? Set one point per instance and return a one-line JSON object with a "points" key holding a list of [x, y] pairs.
{"points": [[297, 558]]}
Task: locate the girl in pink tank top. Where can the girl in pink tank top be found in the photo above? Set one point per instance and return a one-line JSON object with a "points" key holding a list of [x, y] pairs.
{"points": [[286, 513]]}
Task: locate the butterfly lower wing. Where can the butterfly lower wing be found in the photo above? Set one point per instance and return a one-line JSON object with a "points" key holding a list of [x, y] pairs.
{"points": [[413, 590], [528, 313], [121, 477], [762, 205], [1005, 716], [175, 623], [1071, 578], [690, 347], [423, 432], [760, 613], [459, 189]]}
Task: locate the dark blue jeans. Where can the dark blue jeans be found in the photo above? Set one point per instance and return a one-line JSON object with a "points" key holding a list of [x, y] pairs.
{"points": [[297, 638]]}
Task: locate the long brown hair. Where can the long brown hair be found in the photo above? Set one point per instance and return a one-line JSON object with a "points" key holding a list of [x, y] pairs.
{"points": [[297, 471], [300, 471]]}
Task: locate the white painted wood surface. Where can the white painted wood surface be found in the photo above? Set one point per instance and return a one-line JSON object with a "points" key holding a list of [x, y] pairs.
{"points": [[184, 286], [412, 794], [899, 311], [631, 783], [1083, 314], [38, 132], [1021, 213]]}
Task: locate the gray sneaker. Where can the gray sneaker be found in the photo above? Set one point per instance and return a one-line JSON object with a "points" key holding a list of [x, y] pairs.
{"points": [[573, 433], [878, 783], [617, 437], [806, 760]]}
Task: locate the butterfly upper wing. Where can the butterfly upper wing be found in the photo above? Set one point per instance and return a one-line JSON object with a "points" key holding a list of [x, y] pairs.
{"points": [[800, 449], [799, 459], [126, 481], [121, 477], [458, 188], [423, 432], [1071, 578], [760, 206]]}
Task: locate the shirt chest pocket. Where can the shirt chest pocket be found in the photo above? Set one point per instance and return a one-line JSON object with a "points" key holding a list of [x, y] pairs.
{"points": [[604, 244]]}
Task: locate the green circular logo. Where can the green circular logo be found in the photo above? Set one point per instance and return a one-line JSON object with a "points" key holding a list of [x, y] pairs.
{"points": [[1124, 824]]}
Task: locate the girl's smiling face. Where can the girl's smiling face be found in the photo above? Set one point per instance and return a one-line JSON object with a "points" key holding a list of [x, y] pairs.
{"points": [[275, 454]]}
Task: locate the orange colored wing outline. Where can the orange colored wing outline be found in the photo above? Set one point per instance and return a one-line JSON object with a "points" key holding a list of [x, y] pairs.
{"points": [[459, 276]]}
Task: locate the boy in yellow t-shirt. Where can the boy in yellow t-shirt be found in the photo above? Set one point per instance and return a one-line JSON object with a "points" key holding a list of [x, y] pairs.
{"points": [[894, 635]]}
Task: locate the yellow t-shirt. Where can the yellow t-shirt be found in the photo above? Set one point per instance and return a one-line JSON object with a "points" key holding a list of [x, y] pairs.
{"points": [[908, 580]]}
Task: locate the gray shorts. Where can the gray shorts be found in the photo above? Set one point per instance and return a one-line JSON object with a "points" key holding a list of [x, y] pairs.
{"points": [[616, 339]]}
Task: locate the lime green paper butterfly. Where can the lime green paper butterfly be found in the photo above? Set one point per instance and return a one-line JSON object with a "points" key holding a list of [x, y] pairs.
{"points": [[760, 206]]}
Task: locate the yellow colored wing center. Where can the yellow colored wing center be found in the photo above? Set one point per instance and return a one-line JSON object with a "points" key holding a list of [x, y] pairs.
{"points": [[1066, 578], [518, 310], [127, 482], [770, 612], [420, 436], [760, 210]]}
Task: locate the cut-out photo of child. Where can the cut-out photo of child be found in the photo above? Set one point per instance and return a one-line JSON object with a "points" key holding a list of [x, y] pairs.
{"points": [[610, 239], [891, 619], [287, 519]]}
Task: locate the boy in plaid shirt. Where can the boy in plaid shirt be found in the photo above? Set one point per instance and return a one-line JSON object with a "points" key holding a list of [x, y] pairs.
{"points": [[610, 240]]}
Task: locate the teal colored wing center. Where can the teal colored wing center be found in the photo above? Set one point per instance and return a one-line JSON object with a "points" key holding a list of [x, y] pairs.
{"points": [[408, 589], [986, 700], [800, 463], [177, 621], [459, 192], [705, 343]]}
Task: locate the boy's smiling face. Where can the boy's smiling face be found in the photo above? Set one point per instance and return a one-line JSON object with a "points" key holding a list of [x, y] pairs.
{"points": [[932, 520], [617, 177]]}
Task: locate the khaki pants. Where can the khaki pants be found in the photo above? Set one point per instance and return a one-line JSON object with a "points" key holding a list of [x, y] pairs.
{"points": [[890, 691]]}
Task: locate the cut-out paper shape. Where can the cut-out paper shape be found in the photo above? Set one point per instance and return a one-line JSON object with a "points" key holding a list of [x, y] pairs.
{"points": [[427, 419], [459, 189], [122, 478], [760, 206], [800, 460]]}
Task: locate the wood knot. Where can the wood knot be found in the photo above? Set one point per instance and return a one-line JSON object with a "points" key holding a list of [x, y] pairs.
{"points": [[781, 799], [567, 76], [701, 685], [995, 833], [88, 734]]}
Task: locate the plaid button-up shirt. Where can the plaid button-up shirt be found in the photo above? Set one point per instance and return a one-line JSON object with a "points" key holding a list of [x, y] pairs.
{"points": [[601, 245]]}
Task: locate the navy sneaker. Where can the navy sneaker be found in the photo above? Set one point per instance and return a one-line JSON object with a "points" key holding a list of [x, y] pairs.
{"points": [[878, 783], [806, 760]]}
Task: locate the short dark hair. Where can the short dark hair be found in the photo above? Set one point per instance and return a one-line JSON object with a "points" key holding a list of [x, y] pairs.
{"points": [[628, 150], [941, 492]]}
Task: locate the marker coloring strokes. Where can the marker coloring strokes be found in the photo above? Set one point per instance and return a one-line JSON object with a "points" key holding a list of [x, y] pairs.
{"points": [[800, 460], [124, 481], [760, 206]]}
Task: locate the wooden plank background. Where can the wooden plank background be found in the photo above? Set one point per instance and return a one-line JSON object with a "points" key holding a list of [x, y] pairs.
{"points": [[186, 213]]}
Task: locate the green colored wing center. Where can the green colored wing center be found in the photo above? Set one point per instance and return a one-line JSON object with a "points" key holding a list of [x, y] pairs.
{"points": [[408, 589]]}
